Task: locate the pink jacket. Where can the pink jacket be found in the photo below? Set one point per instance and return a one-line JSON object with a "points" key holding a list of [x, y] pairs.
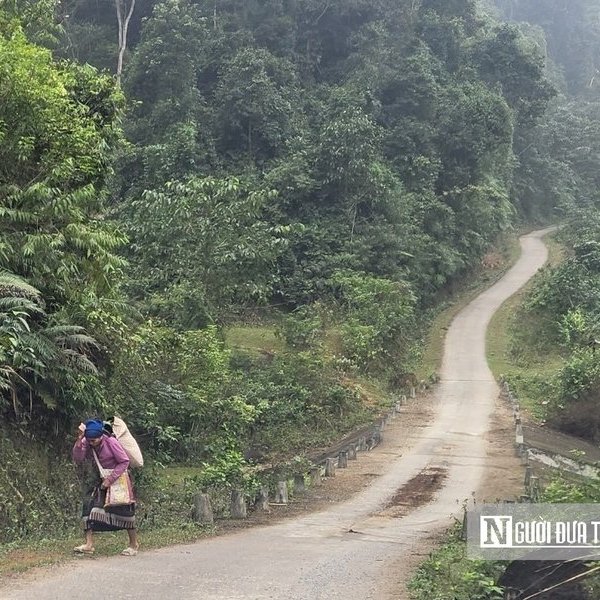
{"points": [[110, 454]]}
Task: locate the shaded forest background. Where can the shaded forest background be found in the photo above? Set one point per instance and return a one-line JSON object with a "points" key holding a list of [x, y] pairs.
{"points": [[327, 168]]}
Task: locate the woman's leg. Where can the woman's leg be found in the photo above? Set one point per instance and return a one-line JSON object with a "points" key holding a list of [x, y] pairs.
{"points": [[88, 547], [133, 539]]}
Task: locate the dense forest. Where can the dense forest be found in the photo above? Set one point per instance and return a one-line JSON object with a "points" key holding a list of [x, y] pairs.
{"points": [[562, 308], [329, 168]]}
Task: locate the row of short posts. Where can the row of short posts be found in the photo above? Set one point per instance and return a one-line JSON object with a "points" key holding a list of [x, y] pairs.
{"points": [[531, 482], [202, 511]]}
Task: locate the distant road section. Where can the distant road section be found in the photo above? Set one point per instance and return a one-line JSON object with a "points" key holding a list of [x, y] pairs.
{"points": [[347, 551]]}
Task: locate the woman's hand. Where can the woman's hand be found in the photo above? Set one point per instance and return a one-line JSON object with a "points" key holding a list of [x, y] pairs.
{"points": [[105, 484]]}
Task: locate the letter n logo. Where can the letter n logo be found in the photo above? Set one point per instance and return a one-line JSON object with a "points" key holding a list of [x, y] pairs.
{"points": [[495, 532]]}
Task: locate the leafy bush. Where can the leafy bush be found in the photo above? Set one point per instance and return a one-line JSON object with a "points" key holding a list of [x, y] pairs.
{"points": [[580, 376], [300, 400], [32, 505], [562, 491], [449, 575], [379, 319], [563, 288], [574, 409], [303, 329]]}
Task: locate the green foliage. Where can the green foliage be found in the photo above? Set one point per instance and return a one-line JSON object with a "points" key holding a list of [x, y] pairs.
{"points": [[340, 110], [204, 243], [576, 397], [31, 504], [303, 329], [378, 319], [255, 96], [579, 328], [227, 470], [573, 35], [475, 136], [565, 308], [36, 17], [512, 61], [569, 286], [561, 491], [449, 575], [180, 397], [300, 401], [168, 121], [57, 126]]}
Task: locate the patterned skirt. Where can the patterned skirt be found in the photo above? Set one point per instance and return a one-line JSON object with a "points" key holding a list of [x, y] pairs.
{"points": [[97, 518]]}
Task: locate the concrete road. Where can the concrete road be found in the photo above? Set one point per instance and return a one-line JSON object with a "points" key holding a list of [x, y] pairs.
{"points": [[317, 556]]}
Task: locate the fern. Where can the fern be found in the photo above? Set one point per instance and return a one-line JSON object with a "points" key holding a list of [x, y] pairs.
{"points": [[13, 285]]}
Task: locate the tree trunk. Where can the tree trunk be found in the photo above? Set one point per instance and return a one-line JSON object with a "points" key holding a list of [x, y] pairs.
{"points": [[123, 24]]}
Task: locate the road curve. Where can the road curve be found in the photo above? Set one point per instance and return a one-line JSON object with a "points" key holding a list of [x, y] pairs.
{"points": [[316, 557]]}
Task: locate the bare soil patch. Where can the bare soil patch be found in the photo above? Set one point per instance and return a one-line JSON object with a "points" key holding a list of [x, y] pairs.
{"points": [[416, 492]]}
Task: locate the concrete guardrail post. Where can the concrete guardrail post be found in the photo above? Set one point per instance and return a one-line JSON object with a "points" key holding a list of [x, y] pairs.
{"points": [[262, 499], [528, 474], [343, 460], [315, 475], [281, 495], [519, 434], [330, 467], [202, 512], [238, 505], [299, 483]]}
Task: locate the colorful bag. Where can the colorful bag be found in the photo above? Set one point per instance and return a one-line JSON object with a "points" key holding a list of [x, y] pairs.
{"points": [[118, 493]]}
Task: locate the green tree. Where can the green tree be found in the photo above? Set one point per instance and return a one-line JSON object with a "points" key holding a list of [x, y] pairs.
{"points": [[256, 97], [57, 126], [207, 243], [512, 62]]}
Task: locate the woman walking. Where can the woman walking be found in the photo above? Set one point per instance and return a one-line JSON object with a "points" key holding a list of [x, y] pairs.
{"points": [[93, 444]]}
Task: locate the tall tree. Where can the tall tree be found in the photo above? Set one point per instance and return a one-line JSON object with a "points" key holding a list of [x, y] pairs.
{"points": [[125, 10]]}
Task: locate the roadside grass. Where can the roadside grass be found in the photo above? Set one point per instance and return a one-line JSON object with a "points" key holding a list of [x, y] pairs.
{"points": [[175, 474], [373, 394], [23, 555], [448, 574]]}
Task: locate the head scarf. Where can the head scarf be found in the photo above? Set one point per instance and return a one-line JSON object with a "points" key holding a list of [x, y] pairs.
{"points": [[93, 428]]}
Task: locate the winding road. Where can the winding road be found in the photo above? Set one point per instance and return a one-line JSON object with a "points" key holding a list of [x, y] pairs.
{"points": [[348, 550]]}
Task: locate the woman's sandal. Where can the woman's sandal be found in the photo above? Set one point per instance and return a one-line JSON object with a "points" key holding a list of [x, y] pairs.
{"points": [[83, 550], [129, 551]]}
